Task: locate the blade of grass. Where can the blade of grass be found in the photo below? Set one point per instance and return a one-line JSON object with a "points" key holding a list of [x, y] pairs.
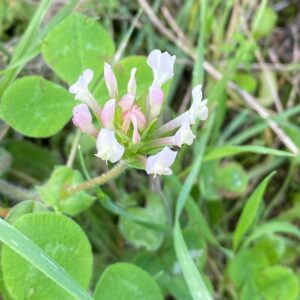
{"points": [[250, 212], [39, 259], [191, 274], [226, 151], [25, 43], [272, 227]]}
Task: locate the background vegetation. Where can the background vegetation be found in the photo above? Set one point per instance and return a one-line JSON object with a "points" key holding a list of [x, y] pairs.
{"points": [[225, 225]]}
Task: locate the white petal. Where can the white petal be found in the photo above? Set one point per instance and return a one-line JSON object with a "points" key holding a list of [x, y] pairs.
{"points": [[160, 163], [162, 66], [88, 75], [197, 92], [108, 147], [184, 135]]}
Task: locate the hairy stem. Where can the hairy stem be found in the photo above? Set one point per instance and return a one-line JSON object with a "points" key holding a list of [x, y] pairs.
{"points": [[100, 180]]}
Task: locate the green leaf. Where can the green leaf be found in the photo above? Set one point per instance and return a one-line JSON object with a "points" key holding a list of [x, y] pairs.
{"points": [[22, 208], [231, 180], [250, 212], [226, 151], [76, 44], [272, 227], [36, 107], [278, 282], [125, 281], [53, 192], [245, 265], [38, 239], [137, 234]]}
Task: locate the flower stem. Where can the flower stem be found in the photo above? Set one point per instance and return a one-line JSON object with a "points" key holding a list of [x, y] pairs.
{"points": [[100, 180]]}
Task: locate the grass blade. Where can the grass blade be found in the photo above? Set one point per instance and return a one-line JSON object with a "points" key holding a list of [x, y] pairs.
{"points": [[226, 151], [250, 211], [38, 258], [271, 227], [191, 274]]}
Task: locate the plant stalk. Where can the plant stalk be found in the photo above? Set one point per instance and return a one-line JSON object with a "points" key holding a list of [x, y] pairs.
{"points": [[100, 180]]}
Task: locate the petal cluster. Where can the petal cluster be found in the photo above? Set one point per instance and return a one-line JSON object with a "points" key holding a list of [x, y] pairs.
{"points": [[127, 127]]}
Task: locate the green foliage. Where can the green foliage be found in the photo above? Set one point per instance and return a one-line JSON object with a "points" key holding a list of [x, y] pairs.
{"points": [[232, 180], [23, 208], [250, 212], [29, 250], [125, 281], [264, 21], [137, 234], [85, 44], [31, 159], [208, 231], [36, 107], [54, 192]]}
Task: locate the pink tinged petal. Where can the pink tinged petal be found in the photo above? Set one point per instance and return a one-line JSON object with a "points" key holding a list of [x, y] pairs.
{"points": [[162, 66], [155, 102], [126, 120], [184, 135], [108, 113], [140, 117], [110, 80], [131, 88], [135, 136], [82, 119], [109, 149], [126, 102], [160, 163]]}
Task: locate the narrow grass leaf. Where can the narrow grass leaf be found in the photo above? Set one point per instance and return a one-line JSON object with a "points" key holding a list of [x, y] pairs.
{"points": [[226, 151], [191, 274], [272, 227], [250, 211]]}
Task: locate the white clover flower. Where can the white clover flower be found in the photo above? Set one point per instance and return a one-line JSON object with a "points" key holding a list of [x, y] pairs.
{"points": [[134, 121], [159, 164], [108, 147], [184, 135], [198, 108], [162, 66]]}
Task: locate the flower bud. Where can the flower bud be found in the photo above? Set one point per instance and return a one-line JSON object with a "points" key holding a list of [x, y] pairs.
{"points": [[110, 80], [82, 118]]}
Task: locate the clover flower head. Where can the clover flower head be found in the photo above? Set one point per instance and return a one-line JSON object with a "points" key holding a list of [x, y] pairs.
{"points": [[127, 126]]}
